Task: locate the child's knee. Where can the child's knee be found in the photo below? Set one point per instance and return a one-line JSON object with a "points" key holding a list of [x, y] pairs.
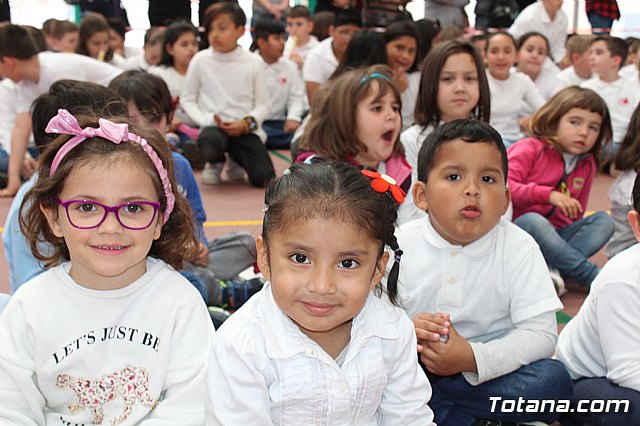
{"points": [[548, 379]]}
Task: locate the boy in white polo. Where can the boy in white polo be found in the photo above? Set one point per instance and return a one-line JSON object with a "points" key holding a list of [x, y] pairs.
{"points": [[476, 286], [600, 346], [323, 60], [607, 55]]}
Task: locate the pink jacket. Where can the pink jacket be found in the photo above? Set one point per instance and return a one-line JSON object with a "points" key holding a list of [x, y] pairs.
{"points": [[535, 169]]}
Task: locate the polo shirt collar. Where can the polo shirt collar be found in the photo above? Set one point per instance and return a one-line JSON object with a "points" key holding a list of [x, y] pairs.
{"points": [[477, 248]]}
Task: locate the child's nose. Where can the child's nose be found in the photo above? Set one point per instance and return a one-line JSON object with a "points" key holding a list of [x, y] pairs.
{"points": [[321, 280], [472, 189], [110, 224]]}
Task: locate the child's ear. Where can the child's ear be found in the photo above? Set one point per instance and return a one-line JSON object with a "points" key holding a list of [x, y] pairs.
{"points": [[260, 42], [381, 266], [420, 195], [263, 257], [507, 201], [634, 222], [52, 218], [158, 227]]}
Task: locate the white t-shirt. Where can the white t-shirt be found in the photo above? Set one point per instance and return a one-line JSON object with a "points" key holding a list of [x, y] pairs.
{"points": [[57, 66], [321, 63], [535, 18], [302, 51], [8, 94], [547, 81], [230, 85], [137, 62], [506, 96], [603, 340], [491, 287], [568, 77], [409, 98], [264, 370], [175, 82], [622, 97], [629, 71], [285, 89], [70, 353]]}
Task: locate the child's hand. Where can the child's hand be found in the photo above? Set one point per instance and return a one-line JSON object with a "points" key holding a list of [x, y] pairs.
{"points": [[451, 357], [400, 77], [290, 126], [524, 124], [294, 57], [232, 128], [570, 207], [429, 327]]}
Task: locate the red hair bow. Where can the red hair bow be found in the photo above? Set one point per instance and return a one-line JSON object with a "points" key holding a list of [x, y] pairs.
{"points": [[385, 184]]}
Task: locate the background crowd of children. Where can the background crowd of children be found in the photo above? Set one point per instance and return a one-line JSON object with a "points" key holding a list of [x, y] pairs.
{"points": [[478, 155]]}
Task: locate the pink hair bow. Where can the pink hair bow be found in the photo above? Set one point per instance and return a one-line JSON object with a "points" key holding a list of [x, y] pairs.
{"points": [[66, 124]]}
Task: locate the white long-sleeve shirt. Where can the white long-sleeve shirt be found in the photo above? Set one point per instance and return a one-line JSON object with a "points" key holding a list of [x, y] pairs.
{"points": [[512, 99], [263, 370], [285, 89], [603, 340], [75, 355], [230, 85], [497, 290]]}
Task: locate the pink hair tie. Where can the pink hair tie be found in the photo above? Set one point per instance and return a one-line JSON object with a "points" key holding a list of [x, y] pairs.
{"points": [[66, 124]]}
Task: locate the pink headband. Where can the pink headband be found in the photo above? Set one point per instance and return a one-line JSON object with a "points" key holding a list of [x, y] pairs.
{"points": [[66, 124]]}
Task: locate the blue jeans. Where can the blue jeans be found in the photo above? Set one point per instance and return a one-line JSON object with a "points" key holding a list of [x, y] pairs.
{"points": [[599, 24], [599, 388], [276, 136], [457, 403], [568, 249]]}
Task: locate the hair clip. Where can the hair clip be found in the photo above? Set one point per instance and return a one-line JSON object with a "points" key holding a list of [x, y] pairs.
{"points": [[397, 255], [286, 172], [375, 75], [385, 184], [308, 159], [265, 208]]}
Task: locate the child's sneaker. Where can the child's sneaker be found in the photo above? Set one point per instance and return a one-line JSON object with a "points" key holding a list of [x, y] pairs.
{"points": [[211, 173], [558, 281], [234, 171]]}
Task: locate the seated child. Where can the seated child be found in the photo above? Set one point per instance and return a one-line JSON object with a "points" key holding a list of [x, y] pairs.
{"points": [[110, 333], [607, 55], [627, 161], [224, 95], [630, 69], [550, 177], [578, 55], [34, 73], [600, 345], [64, 37], [315, 346], [300, 41], [282, 82], [93, 40], [151, 51], [77, 97], [476, 285]]}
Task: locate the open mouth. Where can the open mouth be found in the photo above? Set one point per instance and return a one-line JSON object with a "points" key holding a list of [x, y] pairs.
{"points": [[471, 212], [109, 248], [388, 136]]}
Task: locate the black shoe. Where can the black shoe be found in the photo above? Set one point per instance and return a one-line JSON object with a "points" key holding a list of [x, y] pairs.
{"points": [[192, 153]]}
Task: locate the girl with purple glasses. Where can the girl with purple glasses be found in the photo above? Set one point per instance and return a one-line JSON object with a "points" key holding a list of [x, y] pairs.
{"points": [[110, 333]]}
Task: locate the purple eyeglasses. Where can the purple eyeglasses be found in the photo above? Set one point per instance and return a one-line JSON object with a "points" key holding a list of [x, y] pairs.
{"points": [[89, 214]]}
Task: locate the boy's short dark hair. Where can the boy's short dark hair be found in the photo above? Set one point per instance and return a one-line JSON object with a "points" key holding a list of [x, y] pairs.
{"points": [[616, 46], [63, 27], [148, 92], [263, 28], [346, 17], [37, 37], [299, 11], [468, 130], [15, 42], [231, 8], [77, 97]]}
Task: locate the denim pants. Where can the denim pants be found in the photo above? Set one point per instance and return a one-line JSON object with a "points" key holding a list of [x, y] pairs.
{"points": [[276, 136], [599, 24], [457, 403], [599, 388], [568, 249]]}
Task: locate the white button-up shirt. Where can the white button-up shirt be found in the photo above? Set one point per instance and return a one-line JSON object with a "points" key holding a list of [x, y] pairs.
{"points": [[264, 370]]}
